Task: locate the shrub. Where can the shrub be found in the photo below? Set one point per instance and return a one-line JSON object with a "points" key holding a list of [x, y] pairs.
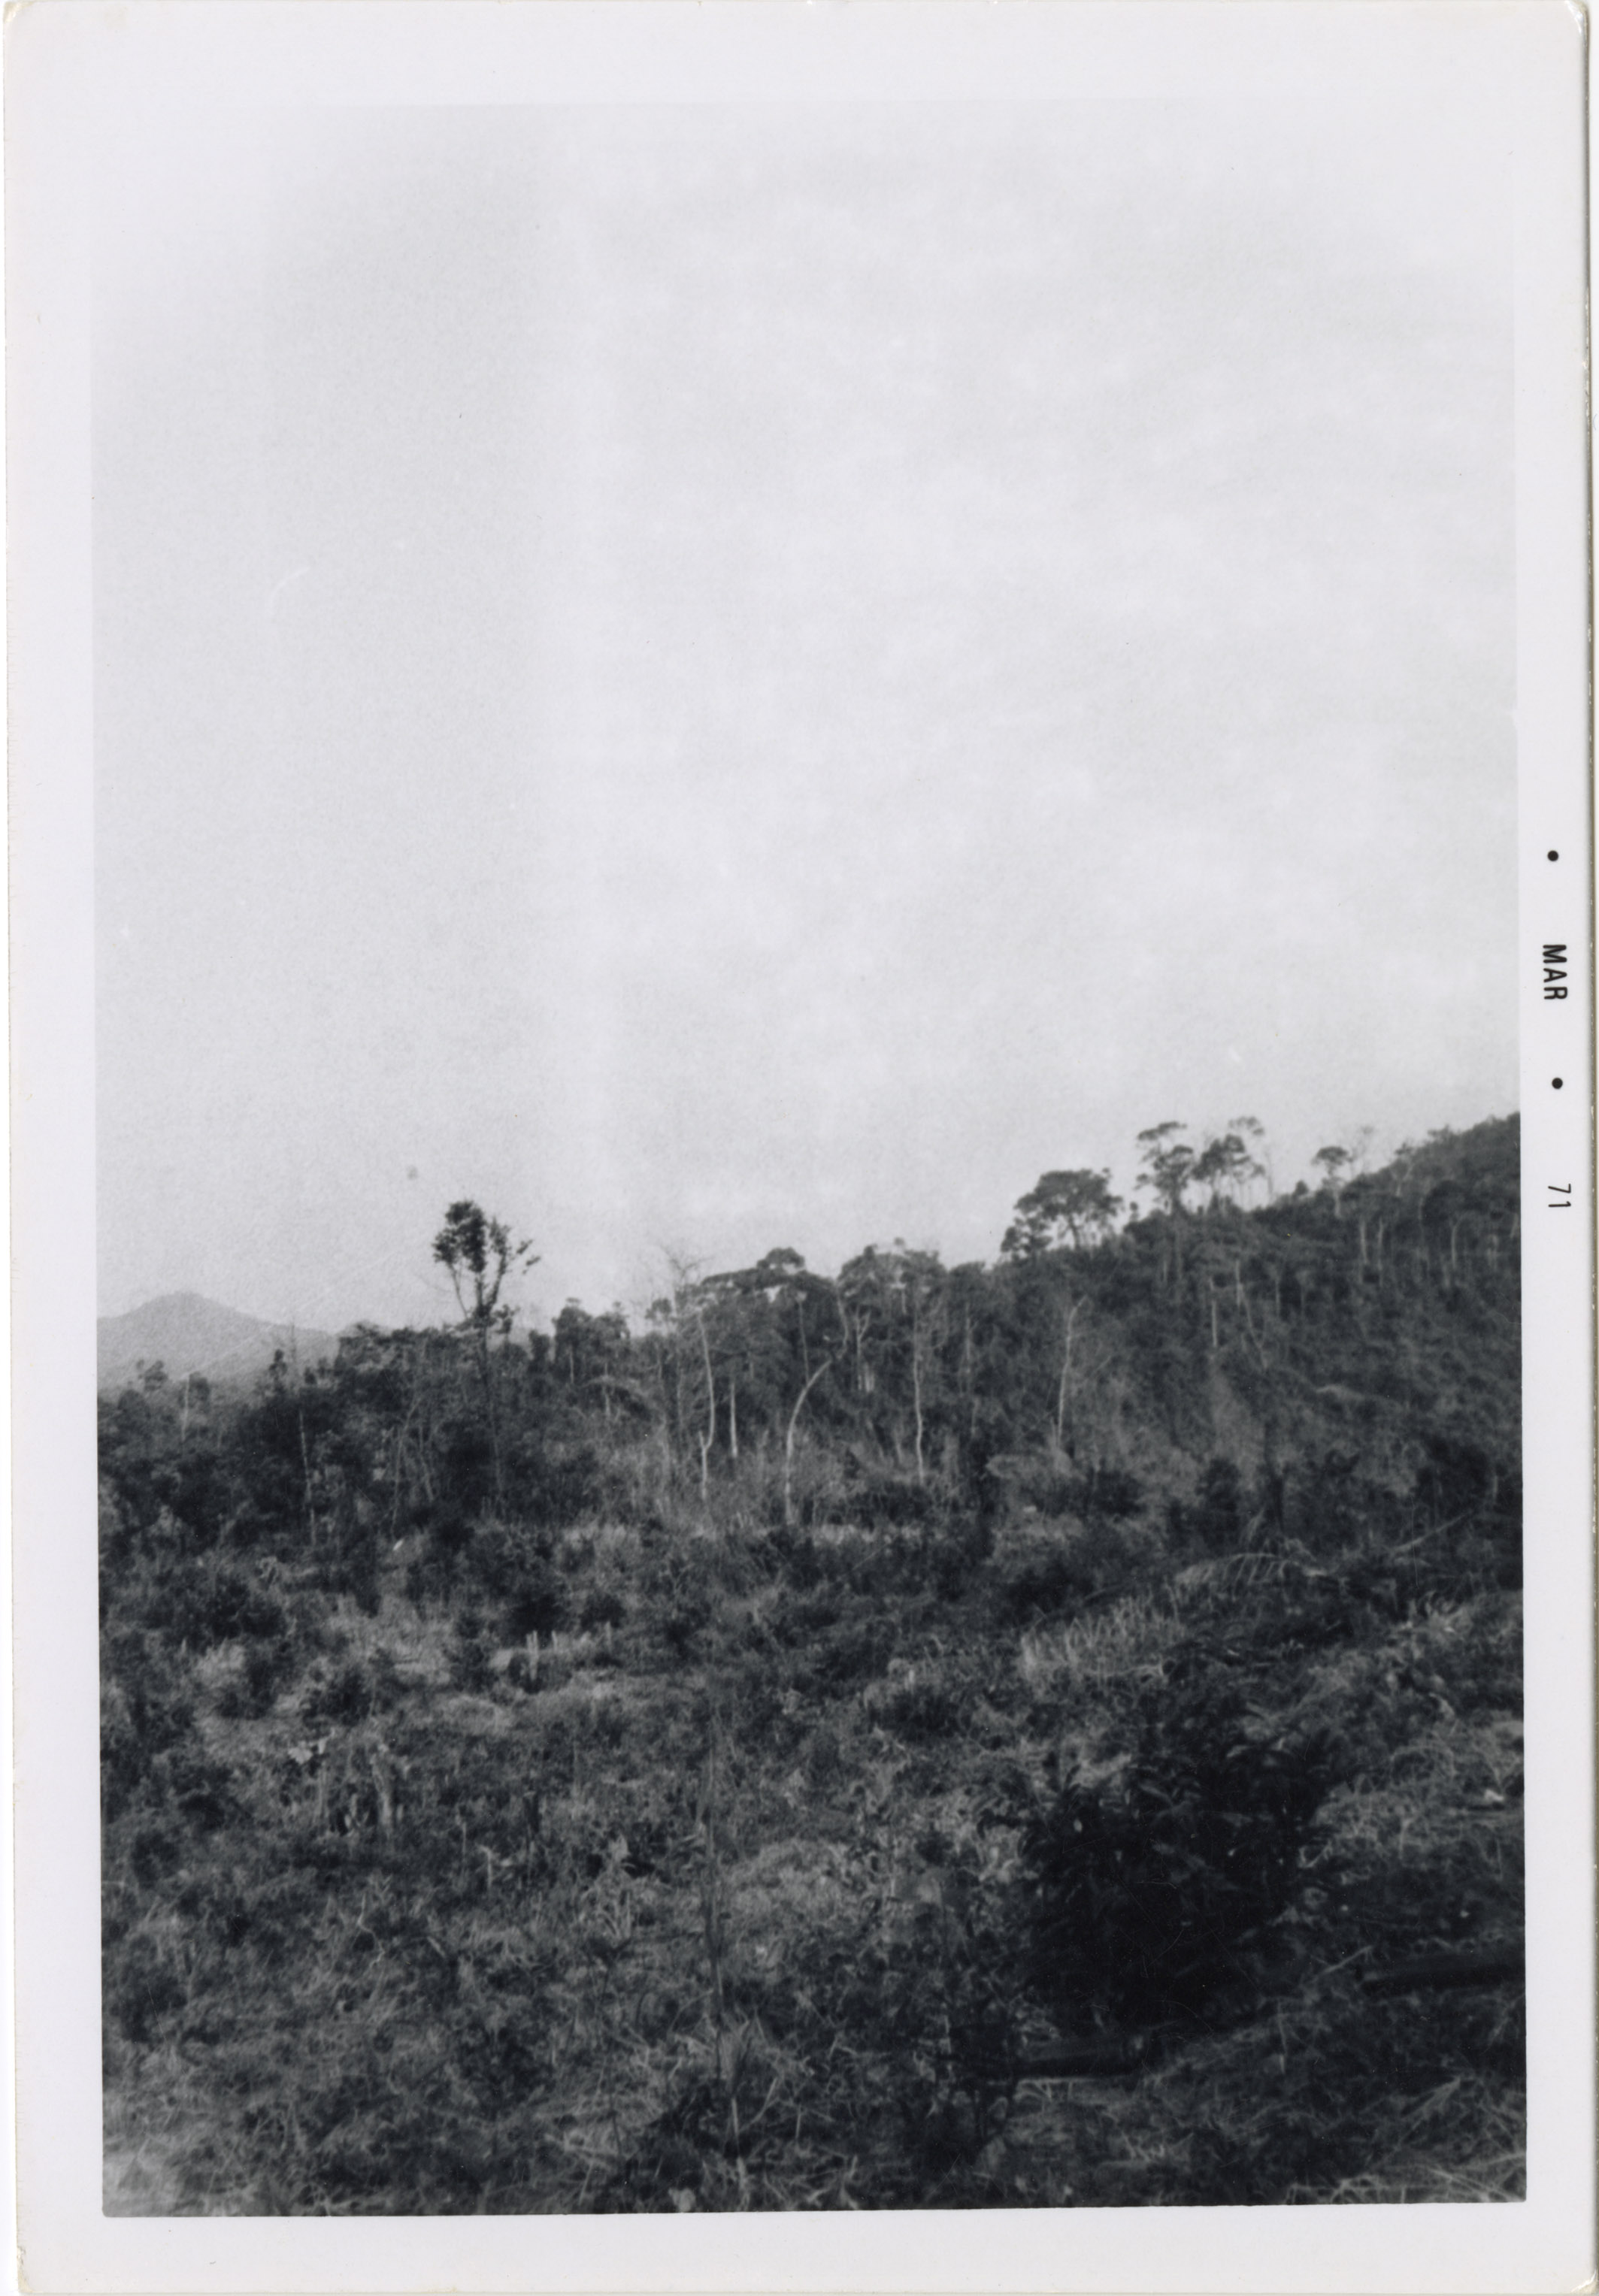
{"points": [[144, 1711], [602, 1606], [1108, 1494], [358, 1568], [951, 1557], [447, 1536], [267, 1667], [891, 1500], [557, 1486], [469, 1667], [199, 1789], [1038, 1568], [1215, 1520], [854, 1651], [203, 1604], [427, 1580], [1147, 1885], [680, 1591], [923, 1709], [346, 1696], [1036, 1479], [536, 1605], [142, 1990], [798, 1557]]}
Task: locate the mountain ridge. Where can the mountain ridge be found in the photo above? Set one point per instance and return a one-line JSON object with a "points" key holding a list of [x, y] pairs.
{"points": [[190, 1334]]}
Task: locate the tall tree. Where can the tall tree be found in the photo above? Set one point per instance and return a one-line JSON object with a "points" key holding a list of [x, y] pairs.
{"points": [[806, 1310], [1335, 1164], [479, 1256], [1225, 1167], [1075, 1209], [1165, 1171], [1168, 1164]]}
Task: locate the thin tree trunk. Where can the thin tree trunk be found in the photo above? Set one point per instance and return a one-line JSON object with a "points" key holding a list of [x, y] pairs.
{"points": [[1243, 1301], [1064, 1389], [916, 1395], [788, 1447], [399, 1455], [709, 1436], [304, 1460], [486, 1374]]}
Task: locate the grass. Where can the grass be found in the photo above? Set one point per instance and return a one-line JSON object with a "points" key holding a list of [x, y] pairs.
{"points": [[726, 1905]]}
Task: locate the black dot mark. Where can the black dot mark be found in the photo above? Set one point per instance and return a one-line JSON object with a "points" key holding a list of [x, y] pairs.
{"points": [[1554, 856], [1557, 1082]]}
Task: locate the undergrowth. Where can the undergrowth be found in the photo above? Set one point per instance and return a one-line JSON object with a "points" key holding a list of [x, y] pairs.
{"points": [[778, 1920]]}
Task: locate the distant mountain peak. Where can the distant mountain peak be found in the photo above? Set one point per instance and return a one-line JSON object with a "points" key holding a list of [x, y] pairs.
{"points": [[189, 1334]]}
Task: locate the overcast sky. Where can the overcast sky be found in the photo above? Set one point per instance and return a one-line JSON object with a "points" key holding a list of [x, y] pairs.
{"points": [[728, 676]]}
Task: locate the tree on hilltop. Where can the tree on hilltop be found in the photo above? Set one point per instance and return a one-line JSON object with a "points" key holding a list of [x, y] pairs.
{"points": [[1066, 1210], [1224, 1165], [479, 1255]]}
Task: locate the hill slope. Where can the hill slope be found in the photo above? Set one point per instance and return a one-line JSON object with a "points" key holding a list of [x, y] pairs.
{"points": [[746, 1763], [188, 1333]]}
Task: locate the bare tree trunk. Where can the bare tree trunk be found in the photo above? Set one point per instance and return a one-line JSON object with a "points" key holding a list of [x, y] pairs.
{"points": [[486, 1374], [788, 1447], [709, 1436], [916, 1395], [1064, 1391], [304, 1460], [399, 1453], [1259, 1344]]}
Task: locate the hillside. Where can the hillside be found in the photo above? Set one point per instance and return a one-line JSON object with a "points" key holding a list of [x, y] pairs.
{"points": [[187, 1335], [1042, 1735]]}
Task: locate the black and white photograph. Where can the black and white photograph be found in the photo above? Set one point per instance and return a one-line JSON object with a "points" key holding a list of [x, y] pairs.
{"points": [[815, 905]]}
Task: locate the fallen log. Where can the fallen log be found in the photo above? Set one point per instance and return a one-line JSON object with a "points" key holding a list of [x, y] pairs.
{"points": [[1129, 2053], [1483, 1965], [1082, 2060]]}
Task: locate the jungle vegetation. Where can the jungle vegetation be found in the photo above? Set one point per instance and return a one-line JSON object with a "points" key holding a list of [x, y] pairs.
{"points": [[1034, 1734]]}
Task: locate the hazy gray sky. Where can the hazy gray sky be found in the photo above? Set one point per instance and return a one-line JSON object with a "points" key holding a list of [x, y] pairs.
{"points": [[728, 676]]}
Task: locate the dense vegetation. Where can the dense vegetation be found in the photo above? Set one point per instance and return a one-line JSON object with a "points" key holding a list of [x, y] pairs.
{"points": [[753, 1760]]}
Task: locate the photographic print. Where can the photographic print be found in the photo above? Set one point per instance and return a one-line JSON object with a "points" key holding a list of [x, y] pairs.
{"points": [[810, 949]]}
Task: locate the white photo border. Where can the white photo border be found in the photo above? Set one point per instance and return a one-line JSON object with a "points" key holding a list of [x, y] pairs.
{"points": [[75, 66]]}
